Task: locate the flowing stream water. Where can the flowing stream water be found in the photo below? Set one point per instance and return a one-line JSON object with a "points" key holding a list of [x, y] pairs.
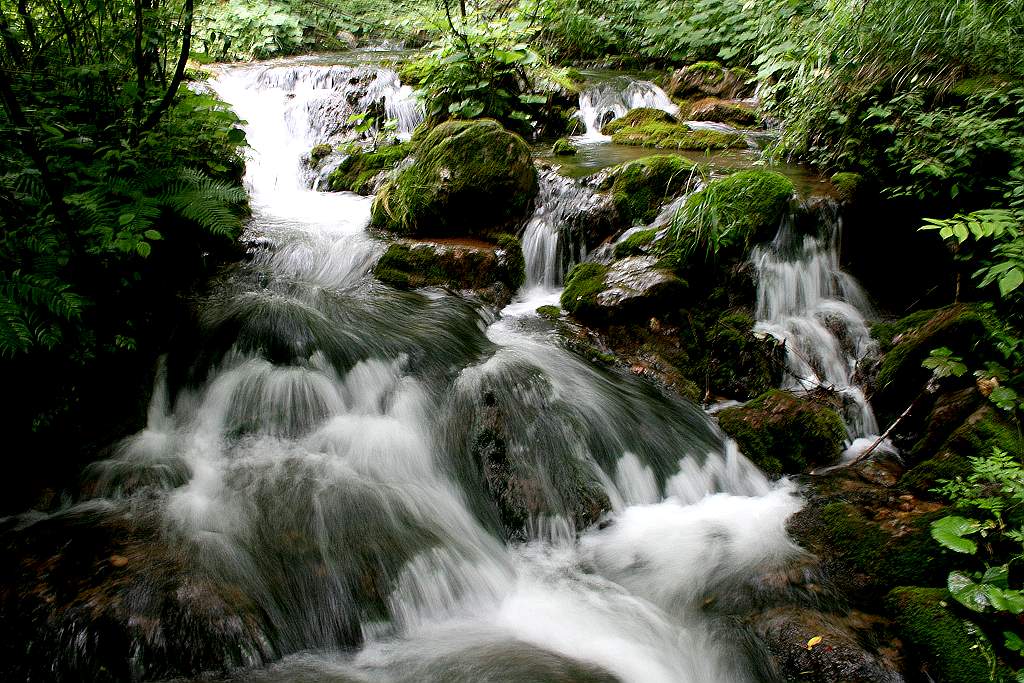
{"points": [[354, 459]]}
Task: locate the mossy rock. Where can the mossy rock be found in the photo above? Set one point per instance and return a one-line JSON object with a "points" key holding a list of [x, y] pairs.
{"points": [[741, 364], [677, 136], [319, 152], [468, 178], [785, 434], [982, 431], [634, 118], [549, 312], [963, 328], [411, 265], [848, 186], [582, 285], [563, 147], [741, 209], [723, 111], [356, 171], [709, 79], [636, 244], [640, 187], [949, 647]]}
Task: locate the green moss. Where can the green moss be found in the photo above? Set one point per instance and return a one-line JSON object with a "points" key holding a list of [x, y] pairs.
{"points": [[923, 476], [961, 327], [847, 185], [729, 215], [740, 364], [967, 88], [885, 333], [636, 244], [949, 646], [563, 147], [640, 187], [784, 434], [635, 118], [677, 136], [356, 170], [549, 312], [722, 111], [468, 178], [707, 68], [582, 285], [320, 151], [513, 263]]}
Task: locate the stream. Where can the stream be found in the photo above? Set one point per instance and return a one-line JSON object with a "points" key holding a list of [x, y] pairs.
{"points": [[332, 449]]}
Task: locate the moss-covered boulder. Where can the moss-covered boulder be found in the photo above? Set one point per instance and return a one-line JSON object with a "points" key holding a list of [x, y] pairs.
{"points": [[635, 118], [784, 434], [678, 136], [360, 171], [848, 185], [948, 648], [723, 111], [319, 152], [963, 328], [741, 364], [637, 243], [408, 265], [562, 148], [628, 289], [468, 178], [733, 213], [709, 79], [639, 188]]}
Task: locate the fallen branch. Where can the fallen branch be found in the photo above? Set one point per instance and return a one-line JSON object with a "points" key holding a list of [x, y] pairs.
{"points": [[928, 389]]}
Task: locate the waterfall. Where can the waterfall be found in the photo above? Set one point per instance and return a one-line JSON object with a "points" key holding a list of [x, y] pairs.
{"points": [[404, 487], [807, 301], [610, 99]]}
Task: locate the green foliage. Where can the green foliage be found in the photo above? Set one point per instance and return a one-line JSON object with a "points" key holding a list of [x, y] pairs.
{"points": [[943, 363], [249, 29], [483, 66]]}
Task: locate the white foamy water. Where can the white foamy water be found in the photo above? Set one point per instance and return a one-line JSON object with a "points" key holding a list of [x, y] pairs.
{"points": [[353, 460], [807, 301], [615, 97]]}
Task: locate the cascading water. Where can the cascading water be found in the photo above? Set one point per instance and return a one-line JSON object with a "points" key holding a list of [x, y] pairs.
{"points": [[819, 312], [612, 98], [348, 461]]}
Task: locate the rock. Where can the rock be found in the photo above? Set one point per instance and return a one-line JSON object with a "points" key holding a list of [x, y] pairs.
{"points": [[848, 186], [678, 136], [639, 188], [362, 171], [976, 436], [319, 152], [723, 111], [563, 147], [784, 434], [549, 312], [947, 647], [635, 118], [710, 79], [628, 289], [636, 244], [739, 210], [468, 178], [347, 38], [841, 654], [963, 328], [742, 364], [456, 266]]}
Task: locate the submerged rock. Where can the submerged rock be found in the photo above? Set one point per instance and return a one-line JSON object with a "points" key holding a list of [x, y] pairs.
{"points": [[468, 178], [456, 266], [782, 433]]}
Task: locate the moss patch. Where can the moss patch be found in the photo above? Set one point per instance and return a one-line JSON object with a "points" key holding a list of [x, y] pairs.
{"points": [[582, 285], [319, 152], [640, 187], [637, 117], [946, 644], [723, 111], [784, 434], [358, 169], [636, 244], [563, 147], [677, 136], [847, 185], [549, 312], [469, 178]]}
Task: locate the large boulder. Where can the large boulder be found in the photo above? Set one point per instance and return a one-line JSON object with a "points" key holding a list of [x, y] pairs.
{"points": [[468, 178], [634, 118], [709, 79], [639, 188], [783, 433]]}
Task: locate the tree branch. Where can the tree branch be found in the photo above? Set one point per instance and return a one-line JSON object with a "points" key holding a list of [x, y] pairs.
{"points": [[179, 71]]}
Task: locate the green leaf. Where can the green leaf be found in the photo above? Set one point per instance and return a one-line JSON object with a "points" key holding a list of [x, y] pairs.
{"points": [[950, 532], [968, 593], [1013, 641], [152, 235]]}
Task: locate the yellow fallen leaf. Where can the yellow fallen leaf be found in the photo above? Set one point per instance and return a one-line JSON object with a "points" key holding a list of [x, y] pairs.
{"points": [[813, 641]]}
